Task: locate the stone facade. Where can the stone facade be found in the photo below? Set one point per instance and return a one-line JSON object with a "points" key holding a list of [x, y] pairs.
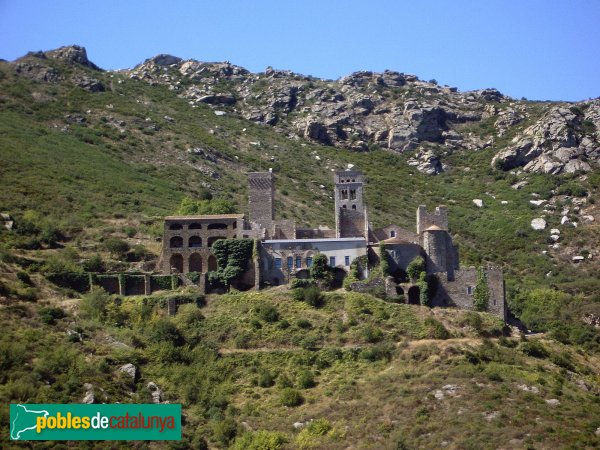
{"points": [[187, 241], [286, 252]]}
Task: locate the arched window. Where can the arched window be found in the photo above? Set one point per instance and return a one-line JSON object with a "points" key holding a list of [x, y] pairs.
{"points": [[344, 206], [290, 262], [213, 239], [352, 194], [309, 261], [392, 234], [298, 262], [176, 242], [195, 242], [175, 226], [195, 226], [217, 226], [353, 206]]}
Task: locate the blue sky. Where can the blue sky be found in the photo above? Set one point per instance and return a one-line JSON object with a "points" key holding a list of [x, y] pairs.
{"points": [[539, 49]]}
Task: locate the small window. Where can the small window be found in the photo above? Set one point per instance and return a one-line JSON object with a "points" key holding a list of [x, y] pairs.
{"points": [[195, 226], [353, 206], [469, 290], [346, 260], [352, 194], [175, 226], [234, 226], [392, 234], [309, 261], [298, 262], [290, 262], [344, 206], [278, 263], [332, 261], [344, 194]]}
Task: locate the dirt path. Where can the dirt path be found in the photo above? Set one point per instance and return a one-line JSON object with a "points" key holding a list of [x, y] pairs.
{"points": [[442, 343]]}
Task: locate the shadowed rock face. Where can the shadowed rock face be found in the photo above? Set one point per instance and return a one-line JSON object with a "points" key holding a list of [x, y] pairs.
{"points": [[390, 110]]}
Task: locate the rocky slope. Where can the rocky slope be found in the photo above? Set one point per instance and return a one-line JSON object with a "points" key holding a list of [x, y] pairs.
{"points": [[389, 110]]}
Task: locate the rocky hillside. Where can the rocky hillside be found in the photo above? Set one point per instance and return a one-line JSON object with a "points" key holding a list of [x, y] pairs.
{"points": [[364, 110], [394, 111]]}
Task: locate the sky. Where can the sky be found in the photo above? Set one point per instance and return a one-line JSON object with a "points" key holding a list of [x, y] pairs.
{"points": [[537, 49]]}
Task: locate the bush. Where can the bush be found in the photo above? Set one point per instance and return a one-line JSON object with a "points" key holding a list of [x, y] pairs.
{"points": [[94, 305], [265, 379], [50, 315], [301, 283], [291, 397], [435, 329], [384, 263], [306, 380], [304, 324], [481, 294], [223, 431], [24, 277], [259, 440], [535, 349], [165, 331], [94, 264], [372, 334], [267, 312], [415, 267], [313, 296], [118, 248]]}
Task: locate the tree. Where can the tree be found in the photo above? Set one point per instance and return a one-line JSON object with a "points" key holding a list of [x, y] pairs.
{"points": [[481, 294], [423, 289], [415, 267], [94, 305], [320, 268], [383, 258], [118, 248]]}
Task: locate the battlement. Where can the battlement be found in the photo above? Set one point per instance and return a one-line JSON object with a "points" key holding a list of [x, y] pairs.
{"points": [[438, 218]]}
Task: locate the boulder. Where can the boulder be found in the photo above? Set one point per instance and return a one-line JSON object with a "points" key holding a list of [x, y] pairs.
{"points": [[538, 224], [155, 392], [130, 370]]}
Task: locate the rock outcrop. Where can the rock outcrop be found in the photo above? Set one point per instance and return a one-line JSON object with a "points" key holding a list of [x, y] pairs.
{"points": [[564, 140]]}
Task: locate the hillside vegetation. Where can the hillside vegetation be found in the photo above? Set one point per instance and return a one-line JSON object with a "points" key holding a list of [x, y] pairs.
{"points": [[91, 161]]}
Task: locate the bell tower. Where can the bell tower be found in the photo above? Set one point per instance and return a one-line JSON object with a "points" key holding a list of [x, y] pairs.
{"points": [[350, 213]]}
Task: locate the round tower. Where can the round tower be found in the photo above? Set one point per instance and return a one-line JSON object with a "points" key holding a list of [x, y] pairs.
{"points": [[434, 243]]}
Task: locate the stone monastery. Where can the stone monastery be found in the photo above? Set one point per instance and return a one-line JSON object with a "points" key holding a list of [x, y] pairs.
{"points": [[287, 252]]}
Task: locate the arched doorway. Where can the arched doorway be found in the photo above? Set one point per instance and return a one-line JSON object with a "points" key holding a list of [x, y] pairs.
{"points": [[212, 263], [413, 296], [176, 263], [338, 277], [195, 264]]}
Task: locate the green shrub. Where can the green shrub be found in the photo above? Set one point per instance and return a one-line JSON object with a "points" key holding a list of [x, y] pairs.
{"points": [[259, 440], [415, 267], [94, 304], [224, 431], [165, 331], [424, 297], [306, 380], [313, 296], [377, 352], [267, 312], [118, 248], [535, 349], [372, 334], [304, 324], [291, 397], [384, 263], [265, 379], [481, 294], [564, 360], [50, 315], [24, 277], [435, 329], [301, 283], [94, 264]]}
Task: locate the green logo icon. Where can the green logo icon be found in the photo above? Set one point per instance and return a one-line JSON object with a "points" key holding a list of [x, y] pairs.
{"points": [[146, 422]]}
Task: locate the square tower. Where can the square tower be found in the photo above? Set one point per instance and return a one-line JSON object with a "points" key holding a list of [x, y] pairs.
{"points": [[350, 216], [261, 198]]}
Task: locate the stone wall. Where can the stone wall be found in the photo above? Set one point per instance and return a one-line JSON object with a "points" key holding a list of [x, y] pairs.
{"points": [[261, 198], [456, 293], [424, 219], [381, 234], [351, 223]]}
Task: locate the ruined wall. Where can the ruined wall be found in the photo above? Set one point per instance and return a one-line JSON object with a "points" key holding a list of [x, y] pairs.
{"points": [[424, 219], [401, 255], [456, 293]]}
